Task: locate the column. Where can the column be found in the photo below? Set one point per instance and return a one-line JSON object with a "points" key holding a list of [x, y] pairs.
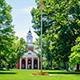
{"points": [[26, 63], [38, 63], [32, 63], [20, 63]]}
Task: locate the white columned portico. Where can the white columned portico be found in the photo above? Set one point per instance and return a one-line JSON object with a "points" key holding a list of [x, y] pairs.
{"points": [[26, 62], [32, 62], [20, 63]]}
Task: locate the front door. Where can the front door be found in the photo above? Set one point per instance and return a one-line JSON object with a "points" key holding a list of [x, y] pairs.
{"points": [[35, 64], [23, 66], [29, 66]]}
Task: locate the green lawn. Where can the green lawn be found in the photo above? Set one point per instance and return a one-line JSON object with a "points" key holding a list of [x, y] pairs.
{"points": [[27, 75]]}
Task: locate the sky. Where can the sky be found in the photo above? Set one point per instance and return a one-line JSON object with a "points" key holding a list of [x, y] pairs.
{"points": [[22, 17]]}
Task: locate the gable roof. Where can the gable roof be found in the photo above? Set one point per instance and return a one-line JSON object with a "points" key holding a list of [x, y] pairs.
{"points": [[30, 54]]}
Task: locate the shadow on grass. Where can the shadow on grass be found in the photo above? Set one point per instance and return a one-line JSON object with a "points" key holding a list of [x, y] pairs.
{"points": [[5, 72], [64, 72]]}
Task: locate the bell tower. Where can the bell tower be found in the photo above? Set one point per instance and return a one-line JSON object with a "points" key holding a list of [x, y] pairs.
{"points": [[30, 40]]}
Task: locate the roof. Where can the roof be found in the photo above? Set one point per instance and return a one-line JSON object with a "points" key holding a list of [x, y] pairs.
{"points": [[30, 54]]}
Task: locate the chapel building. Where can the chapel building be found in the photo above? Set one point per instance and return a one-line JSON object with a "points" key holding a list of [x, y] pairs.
{"points": [[30, 59]]}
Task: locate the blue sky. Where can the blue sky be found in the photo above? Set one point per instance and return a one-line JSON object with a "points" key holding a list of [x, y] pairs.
{"points": [[22, 17]]}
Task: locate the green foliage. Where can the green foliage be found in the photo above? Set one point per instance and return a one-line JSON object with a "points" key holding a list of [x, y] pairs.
{"points": [[20, 47], [75, 55], [61, 27], [6, 33], [17, 50], [10, 48]]}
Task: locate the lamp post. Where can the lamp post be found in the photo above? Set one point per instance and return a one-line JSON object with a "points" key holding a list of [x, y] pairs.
{"points": [[41, 9], [41, 40]]}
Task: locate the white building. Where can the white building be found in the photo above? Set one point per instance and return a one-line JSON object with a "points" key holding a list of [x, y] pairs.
{"points": [[29, 60]]}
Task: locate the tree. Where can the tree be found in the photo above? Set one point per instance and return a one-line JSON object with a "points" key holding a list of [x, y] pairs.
{"points": [[75, 55], [6, 32], [18, 49], [61, 25], [10, 47]]}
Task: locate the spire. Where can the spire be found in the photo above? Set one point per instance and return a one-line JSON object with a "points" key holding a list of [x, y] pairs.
{"points": [[29, 37], [30, 40], [29, 30]]}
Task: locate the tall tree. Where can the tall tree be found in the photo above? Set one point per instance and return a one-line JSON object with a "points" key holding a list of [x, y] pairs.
{"points": [[61, 25], [6, 33]]}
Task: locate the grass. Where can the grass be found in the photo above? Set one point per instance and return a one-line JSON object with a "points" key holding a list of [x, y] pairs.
{"points": [[27, 75]]}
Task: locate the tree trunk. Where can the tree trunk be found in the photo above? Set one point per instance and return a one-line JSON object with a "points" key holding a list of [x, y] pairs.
{"points": [[64, 65], [77, 68], [51, 64]]}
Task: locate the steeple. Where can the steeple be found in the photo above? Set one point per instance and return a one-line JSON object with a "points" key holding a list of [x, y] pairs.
{"points": [[30, 40], [29, 37]]}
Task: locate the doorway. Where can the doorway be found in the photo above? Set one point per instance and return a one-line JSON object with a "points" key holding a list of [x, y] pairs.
{"points": [[35, 64], [23, 65], [29, 66]]}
